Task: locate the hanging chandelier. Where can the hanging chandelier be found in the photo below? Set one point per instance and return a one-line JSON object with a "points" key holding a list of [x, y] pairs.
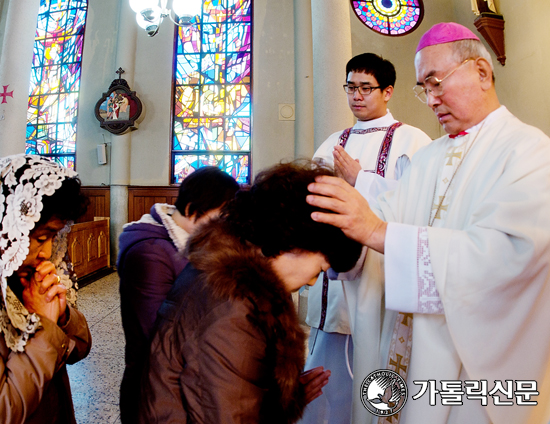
{"points": [[151, 13]]}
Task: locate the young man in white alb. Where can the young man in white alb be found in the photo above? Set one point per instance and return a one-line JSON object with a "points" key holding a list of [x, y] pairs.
{"points": [[376, 143]]}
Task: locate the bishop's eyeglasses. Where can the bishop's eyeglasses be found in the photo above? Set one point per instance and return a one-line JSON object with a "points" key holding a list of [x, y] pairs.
{"points": [[364, 90], [432, 85]]}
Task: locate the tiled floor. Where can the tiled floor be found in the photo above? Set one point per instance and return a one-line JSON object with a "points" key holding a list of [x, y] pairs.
{"points": [[95, 380]]}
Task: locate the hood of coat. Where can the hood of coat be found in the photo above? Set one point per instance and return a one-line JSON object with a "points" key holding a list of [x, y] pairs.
{"points": [[157, 224], [235, 269]]}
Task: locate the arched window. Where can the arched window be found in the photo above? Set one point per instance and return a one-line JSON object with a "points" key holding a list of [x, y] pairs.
{"points": [[212, 91], [55, 80], [390, 17]]}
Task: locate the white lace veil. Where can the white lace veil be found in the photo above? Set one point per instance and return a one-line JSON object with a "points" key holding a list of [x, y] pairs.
{"points": [[26, 179]]}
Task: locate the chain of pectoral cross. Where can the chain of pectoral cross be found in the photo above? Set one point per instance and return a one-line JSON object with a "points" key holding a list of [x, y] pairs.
{"points": [[442, 198]]}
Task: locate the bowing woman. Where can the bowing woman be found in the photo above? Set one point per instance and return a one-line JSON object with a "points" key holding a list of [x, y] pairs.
{"points": [[229, 348], [40, 329]]}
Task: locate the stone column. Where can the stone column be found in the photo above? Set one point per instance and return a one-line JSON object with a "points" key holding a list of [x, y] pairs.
{"points": [[331, 52], [303, 60], [15, 66], [121, 145]]}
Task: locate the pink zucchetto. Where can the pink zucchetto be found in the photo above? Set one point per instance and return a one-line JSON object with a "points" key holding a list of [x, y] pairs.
{"points": [[445, 32]]}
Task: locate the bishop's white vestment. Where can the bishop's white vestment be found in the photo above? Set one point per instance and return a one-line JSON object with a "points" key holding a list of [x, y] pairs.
{"points": [[364, 143], [477, 282]]}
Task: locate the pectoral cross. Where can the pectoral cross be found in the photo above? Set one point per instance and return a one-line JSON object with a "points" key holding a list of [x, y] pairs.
{"points": [[439, 207], [453, 154]]}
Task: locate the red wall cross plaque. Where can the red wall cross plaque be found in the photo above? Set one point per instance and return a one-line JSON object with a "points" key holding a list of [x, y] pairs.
{"points": [[5, 94]]}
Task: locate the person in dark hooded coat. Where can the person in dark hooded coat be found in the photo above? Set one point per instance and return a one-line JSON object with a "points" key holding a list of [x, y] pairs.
{"points": [[151, 256]]}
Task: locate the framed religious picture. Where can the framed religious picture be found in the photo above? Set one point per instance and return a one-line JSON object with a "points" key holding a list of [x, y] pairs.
{"points": [[119, 108]]}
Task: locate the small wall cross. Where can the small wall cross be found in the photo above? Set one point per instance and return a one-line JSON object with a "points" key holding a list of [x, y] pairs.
{"points": [[120, 71]]}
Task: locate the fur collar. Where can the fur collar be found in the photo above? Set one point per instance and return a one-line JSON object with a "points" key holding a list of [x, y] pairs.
{"points": [[235, 269]]}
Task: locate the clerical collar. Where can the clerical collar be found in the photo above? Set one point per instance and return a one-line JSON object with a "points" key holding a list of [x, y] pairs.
{"points": [[383, 121], [460, 134]]}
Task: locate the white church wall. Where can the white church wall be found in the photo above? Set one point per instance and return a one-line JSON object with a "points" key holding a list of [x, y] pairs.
{"points": [[98, 70], [273, 82], [522, 83], [150, 152]]}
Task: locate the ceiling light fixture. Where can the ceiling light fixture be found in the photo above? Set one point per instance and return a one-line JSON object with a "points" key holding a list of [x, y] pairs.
{"points": [[151, 13]]}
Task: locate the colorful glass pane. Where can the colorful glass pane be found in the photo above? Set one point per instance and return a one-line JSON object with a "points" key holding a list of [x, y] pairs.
{"points": [[212, 68], [237, 134], [55, 80], [238, 100], [238, 37], [390, 17], [212, 100], [213, 37], [187, 69], [241, 10], [212, 94], [187, 101], [214, 11], [188, 40], [238, 68], [236, 165]]}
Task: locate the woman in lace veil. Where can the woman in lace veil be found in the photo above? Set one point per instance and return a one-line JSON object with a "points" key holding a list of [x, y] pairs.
{"points": [[40, 330]]}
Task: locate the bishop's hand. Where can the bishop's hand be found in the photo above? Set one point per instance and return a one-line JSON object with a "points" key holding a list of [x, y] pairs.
{"points": [[352, 213]]}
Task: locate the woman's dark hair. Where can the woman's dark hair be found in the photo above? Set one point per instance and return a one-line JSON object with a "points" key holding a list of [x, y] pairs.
{"points": [[67, 203], [274, 215], [205, 189]]}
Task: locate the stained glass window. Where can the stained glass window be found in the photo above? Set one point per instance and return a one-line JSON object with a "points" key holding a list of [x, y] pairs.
{"points": [[390, 17], [55, 80], [212, 91]]}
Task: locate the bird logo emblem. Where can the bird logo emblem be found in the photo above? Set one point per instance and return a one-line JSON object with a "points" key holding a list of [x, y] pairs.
{"points": [[383, 393]]}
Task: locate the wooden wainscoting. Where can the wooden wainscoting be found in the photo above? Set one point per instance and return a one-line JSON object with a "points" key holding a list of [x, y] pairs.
{"points": [[100, 203], [88, 244], [140, 199], [88, 241]]}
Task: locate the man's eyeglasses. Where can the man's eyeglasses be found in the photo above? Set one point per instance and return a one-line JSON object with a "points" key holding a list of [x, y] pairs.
{"points": [[432, 85], [364, 90]]}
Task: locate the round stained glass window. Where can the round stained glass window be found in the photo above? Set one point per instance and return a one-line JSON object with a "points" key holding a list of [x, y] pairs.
{"points": [[390, 17]]}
